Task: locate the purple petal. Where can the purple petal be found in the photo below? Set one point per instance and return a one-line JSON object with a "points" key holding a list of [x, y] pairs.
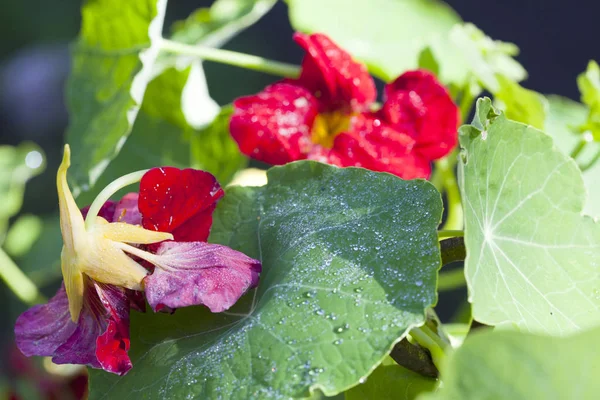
{"points": [[194, 273], [127, 210], [40, 330]]}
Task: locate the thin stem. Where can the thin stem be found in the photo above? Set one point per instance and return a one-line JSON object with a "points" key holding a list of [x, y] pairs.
{"points": [[450, 280], [591, 163], [18, 282], [428, 339], [578, 148], [454, 221], [466, 103], [108, 191], [232, 58], [450, 234]]}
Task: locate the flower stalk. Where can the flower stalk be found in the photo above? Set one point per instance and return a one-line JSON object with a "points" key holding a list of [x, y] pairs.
{"points": [[18, 282]]}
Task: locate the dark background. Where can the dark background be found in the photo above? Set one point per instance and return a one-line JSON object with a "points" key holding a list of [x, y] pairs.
{"points": [[556, 39]]}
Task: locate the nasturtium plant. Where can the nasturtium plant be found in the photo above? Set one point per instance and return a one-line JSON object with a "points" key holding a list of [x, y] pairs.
{"points": [[533, 259], [344, 277], [319, 277]]}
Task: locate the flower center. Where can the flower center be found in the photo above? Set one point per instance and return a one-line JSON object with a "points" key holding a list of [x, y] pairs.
{"points": [[327, 126]]}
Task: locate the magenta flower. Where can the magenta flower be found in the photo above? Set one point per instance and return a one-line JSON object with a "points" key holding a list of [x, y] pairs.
{"points": [[154, 243]]}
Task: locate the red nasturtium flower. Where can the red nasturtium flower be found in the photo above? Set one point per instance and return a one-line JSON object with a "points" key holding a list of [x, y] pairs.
{"points": [[326, 115], [165, 225]]}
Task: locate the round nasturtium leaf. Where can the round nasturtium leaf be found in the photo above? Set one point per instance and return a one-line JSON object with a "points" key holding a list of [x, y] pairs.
{"points": [[350, 260], [533, 259], [522, 366]]}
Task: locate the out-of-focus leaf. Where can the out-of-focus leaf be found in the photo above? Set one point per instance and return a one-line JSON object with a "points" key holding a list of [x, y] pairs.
{"points": [[564, 116], [478, 55], [388, 35], [224, 19], [521, 366], [22, 235], [112, 63], [391, 381], [428, 61], [589, 86], [520, 104], [17, 166]]}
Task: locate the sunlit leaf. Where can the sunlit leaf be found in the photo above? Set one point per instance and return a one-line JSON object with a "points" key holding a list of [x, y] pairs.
{"points": [[533, 260], [520, 366], [112, 64], [589, 86], [520, 104], [344, 277]]}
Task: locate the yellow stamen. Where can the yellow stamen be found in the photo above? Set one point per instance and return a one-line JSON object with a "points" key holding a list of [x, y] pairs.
{"points": [[95, 251], [327, 126]]}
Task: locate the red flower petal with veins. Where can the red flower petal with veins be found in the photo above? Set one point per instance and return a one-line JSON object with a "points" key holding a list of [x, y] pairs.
{"points": [[274, 125], [333, 76], [200, 273], [179, 201], [416, 103]]}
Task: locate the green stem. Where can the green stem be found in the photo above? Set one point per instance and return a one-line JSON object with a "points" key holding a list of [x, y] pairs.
{"points": [[450, 280], [108, 191], [580, 146], [591, 163], [232, 58], [428, 339], [18, 282], [450, 234], [454, 221], [466, 103]]}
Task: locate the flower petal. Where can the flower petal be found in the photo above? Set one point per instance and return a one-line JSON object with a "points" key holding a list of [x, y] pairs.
{"points": [[376, 146], [43, 328], [126, 210], [343, 83], [102, 328], [417, 104], [196, 273], [112, 345], [107, 211], [171, 199], [274, 126]]}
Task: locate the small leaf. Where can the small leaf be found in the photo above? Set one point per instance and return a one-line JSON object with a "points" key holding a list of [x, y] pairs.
{"points": [[589, 86], [563, 117], [520, 104], [486, 58], [112, 64], [427, 61], [390, 381], [533, 260], [520, 366], [224, 19], [17, 166], [387, 35], [344, 277]]}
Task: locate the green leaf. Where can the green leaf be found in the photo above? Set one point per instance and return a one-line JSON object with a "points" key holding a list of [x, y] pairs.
{"points": [[391, 381], [112, 64], [224, 19], [478, 55], [589, 86], [22, 235], [533, 260], [17, 166], [387, 35], [344, 277], [520, 366], [564, 116], [428, 61], [520, 104]]}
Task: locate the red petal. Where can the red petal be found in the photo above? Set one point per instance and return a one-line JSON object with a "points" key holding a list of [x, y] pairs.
{"points": [[416, 103], [200, 273], [333, 76], [373, 145], [179, 201], [274, 126], [112, 345]]}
